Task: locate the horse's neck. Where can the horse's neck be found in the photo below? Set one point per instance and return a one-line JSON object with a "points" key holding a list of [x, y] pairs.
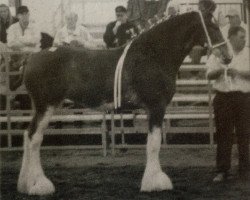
{"points": [[172, 39]]}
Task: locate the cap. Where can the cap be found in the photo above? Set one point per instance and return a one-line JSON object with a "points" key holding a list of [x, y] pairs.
{"points": [[232, 12], [22, 10], [120, 9]]}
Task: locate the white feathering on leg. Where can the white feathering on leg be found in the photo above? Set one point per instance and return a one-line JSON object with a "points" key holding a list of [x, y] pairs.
{"points": [[38, 183], [154, 179], [23, 175]]}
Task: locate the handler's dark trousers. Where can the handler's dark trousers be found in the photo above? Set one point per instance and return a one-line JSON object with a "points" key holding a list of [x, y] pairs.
{"points": [[232, 112]]}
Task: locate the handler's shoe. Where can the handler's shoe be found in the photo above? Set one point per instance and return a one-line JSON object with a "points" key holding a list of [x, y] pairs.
{"points": [[220, 177]]}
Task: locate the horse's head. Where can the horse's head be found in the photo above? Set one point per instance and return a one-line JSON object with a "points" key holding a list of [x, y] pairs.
{"points": [[217, 39], [210, 34]]}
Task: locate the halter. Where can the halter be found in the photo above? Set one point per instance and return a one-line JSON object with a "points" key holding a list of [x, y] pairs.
{"points": [[207, 35], [228, 79]]}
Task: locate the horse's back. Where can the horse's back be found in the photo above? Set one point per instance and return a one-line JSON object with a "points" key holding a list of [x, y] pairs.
{"points": [[81, 74]]}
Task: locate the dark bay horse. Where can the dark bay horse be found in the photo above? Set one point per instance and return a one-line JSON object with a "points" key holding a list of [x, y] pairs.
{"points": [[87, 76]]}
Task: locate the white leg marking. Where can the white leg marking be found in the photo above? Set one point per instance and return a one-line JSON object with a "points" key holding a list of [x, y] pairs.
{"points": [[23, 176], [154, 179], [36, 182]]}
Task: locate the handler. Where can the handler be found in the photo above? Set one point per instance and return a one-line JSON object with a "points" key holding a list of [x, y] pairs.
{"points": [[232, 104]]}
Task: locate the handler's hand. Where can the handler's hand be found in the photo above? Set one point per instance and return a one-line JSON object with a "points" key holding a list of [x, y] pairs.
{"points": [[216, 52], [117, 24]]}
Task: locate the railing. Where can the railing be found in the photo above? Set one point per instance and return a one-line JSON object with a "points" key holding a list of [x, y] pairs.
{"points": [[175, 111]]}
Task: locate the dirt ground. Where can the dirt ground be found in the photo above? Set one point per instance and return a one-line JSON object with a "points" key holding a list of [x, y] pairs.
{"points": [[81, 174]]}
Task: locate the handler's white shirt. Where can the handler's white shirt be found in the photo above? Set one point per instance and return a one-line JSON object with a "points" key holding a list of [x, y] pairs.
{"points": [[80, 34], [16, 37], [240, 62]]}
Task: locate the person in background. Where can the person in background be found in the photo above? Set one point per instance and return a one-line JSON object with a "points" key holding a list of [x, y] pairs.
{"points": [[23, 36], [173, 9], [234, 20], [232, 104], [140, 11], [74, 34], [136, 12], [120, 31], [163, 4], [5, 21]]}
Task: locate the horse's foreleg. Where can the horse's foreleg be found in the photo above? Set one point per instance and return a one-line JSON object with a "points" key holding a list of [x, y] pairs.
{"points": [[154, 179], [32, 179], [23, 176]]}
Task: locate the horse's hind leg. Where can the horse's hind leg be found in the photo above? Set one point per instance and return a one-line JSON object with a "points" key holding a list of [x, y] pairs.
{"points": [[31, 178], [154, 179]]}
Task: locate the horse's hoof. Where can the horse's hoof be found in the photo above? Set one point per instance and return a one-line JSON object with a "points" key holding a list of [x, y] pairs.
{"points": [[22, 186], [156, 182], [42, 186]]}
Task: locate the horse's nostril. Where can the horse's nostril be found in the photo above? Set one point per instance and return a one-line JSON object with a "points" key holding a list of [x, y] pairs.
{"points": [[227, 60]]}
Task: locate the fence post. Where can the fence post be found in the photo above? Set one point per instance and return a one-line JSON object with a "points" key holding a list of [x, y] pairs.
{"points": [[112, 133], [164, 132], [122, 129], [210, 107], [8, 98], [104, 137]]}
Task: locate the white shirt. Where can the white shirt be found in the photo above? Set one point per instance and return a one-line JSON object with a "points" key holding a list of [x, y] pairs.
{"points": [[225, 29], [224, 83], [17, 40], [80, 34]]}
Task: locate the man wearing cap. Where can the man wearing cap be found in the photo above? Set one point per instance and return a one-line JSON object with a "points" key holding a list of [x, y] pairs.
{"points": [[120, 31], [23, 36], [231, 104], [234, 20]]}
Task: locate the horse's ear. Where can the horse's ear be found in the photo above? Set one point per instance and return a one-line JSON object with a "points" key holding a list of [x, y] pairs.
{"points": [[207, 7]]}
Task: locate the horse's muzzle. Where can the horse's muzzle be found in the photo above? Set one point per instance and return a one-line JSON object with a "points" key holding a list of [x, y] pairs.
{"points": [[226, 61]]}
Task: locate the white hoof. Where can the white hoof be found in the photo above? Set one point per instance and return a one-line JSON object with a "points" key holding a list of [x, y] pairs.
{"points": [[22, 185], [156, 182], [41, 186]]}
